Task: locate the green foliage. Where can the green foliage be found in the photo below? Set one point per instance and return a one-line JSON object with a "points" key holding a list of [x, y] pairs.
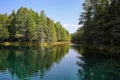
{"points": [[27, 25], [101, 26], [76, 37], [3, 26], [62, 34], [50, 31]]}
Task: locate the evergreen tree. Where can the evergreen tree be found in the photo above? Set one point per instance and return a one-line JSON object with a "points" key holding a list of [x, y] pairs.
{"points": [[100, 21], [27, 25], [3, 27]]}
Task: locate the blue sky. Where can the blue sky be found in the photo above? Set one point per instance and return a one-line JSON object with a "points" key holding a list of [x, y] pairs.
{"points": [[65, 11]]}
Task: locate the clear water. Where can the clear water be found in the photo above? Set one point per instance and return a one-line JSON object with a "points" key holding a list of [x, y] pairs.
{"points": [[55, 63]]}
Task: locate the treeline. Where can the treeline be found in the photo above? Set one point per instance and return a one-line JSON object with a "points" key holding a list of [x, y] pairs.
{"points": [[27, 25], [100, 24]]}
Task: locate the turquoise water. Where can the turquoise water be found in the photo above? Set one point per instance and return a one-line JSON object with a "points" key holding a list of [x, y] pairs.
{"points": [[55, 63]]}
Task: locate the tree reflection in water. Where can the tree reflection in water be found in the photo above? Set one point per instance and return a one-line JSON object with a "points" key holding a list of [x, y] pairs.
{"points": [[93, 66], [30, 61]]}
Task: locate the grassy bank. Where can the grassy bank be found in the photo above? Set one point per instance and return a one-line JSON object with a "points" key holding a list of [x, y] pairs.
{"points": [[33, 43]]}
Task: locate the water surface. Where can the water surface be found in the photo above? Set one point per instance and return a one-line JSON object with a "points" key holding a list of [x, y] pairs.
{"points": [[55, 63]]}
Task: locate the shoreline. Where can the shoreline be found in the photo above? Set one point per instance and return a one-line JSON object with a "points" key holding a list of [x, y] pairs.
{"points": [[44, 44]]}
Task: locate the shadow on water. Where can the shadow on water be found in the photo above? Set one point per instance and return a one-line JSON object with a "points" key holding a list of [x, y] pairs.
{"points": [[25, 62], [93, 66]]}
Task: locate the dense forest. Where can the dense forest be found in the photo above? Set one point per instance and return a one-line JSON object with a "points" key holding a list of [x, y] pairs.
{"points": [[100, 22], [25, 25]]}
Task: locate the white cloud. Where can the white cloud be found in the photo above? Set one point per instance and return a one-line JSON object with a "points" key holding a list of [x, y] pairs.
{"points": [[71, 27], [65, 25]]}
